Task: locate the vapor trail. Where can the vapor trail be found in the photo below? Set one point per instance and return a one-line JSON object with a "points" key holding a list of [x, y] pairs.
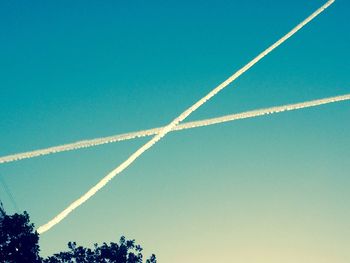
{"points": [[184, 126], [172, 125], [261, 112]]}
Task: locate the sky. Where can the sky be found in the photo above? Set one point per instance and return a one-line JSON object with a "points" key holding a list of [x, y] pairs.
{"points": [[269, 189]]}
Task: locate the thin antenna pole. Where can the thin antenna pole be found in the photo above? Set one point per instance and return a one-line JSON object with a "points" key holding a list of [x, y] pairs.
{"points": [[2, 211]]}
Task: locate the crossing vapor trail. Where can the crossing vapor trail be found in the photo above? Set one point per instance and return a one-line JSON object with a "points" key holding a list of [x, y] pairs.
{"points": [[184, 126], [92, 191]]}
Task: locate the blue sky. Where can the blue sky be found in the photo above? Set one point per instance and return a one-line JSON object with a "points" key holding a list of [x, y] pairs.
{"points": [[260, 190]]}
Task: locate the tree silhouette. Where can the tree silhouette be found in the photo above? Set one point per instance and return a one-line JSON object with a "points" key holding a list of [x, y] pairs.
{"points": [[18, 240], [124, 252], [19, 243]]}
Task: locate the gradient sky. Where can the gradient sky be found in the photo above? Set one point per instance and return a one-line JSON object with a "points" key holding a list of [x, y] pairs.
{"points": [[271, 189]]}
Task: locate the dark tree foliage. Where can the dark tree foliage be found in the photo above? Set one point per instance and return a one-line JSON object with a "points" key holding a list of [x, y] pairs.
{"points": [[18, 240], [19, 244], [124, 252]]}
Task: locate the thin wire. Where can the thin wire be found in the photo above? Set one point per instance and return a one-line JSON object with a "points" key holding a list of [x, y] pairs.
{"points": [[7, 190]]}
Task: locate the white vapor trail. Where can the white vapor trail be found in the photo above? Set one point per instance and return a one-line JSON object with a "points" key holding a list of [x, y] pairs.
{"points": [[172, 125], [184, 126]]}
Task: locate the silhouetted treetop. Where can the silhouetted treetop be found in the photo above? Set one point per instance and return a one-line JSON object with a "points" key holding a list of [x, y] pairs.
{"points": [[124, 252], [19, 244], [18, 240]]}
